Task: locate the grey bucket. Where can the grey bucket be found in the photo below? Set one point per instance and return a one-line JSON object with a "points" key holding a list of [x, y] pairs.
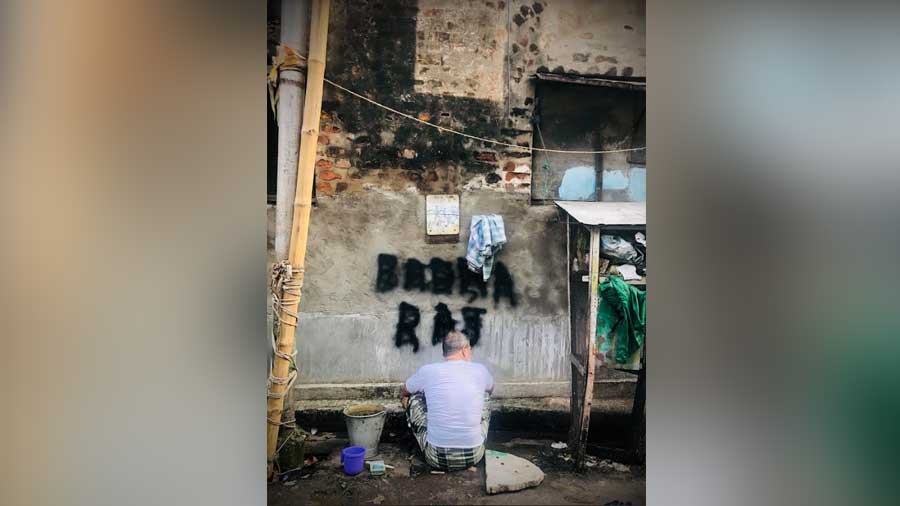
{"points": [[364, 425]]}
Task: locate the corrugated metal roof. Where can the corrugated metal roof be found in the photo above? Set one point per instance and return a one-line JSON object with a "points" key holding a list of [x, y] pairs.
{"points": [[606, 213]]}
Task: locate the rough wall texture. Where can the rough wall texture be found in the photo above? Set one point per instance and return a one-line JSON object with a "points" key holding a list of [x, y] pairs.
{"points": [[447, 62], [465, 65], [347, 328], [460, 49]]}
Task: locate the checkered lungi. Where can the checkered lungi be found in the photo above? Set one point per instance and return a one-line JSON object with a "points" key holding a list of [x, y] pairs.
{"points": [[445, 459]]}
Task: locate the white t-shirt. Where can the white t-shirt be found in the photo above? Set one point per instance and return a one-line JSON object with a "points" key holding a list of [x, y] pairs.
{"points": [[454, 392]]}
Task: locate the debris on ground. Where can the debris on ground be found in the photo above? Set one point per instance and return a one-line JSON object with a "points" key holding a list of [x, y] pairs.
{"points": [[608, 466], [559, 445], [376, 467], [504, 472], [518, 441], [325, 483]]}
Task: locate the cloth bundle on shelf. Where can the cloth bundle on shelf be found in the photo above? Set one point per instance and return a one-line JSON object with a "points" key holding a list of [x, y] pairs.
{"points": [[623, 310]]}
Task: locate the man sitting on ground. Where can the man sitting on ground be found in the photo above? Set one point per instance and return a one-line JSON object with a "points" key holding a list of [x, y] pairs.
{"points": [[447, 406]]}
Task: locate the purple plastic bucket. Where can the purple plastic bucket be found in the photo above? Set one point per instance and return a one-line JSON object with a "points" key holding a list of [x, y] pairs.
{"points": [[352, 457]]}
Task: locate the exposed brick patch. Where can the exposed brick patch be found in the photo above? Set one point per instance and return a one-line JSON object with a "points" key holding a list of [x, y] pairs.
{"points": [[323, 139], [331, 129], [328, 175], [324, 164], [343, 163], [517, 175], [510, 166], [324, 189], [424, 116], [486, 156]]}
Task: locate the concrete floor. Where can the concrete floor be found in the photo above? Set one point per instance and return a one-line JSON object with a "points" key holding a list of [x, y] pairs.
{"points": [[410, 482]]}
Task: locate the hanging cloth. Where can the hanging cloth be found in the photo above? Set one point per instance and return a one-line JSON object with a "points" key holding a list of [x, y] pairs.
{"points": [[486, 236], [624, 306]]}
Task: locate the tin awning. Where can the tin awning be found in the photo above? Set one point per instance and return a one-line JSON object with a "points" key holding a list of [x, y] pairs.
{"points": [[606, 213], [636, 84]]}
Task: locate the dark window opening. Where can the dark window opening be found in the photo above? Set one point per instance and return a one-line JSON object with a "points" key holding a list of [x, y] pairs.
{"points": [[579, 117]]}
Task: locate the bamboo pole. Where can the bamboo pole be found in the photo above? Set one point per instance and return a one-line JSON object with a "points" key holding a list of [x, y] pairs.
{"points": [[312, 111]]}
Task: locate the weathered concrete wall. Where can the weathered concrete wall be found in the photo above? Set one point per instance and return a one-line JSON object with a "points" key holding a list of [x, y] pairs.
{"points": [[460, 49], [347, 328], [461, 64]]}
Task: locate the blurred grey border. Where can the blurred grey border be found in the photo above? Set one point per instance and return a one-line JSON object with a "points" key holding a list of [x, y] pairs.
{"points": [[774, 151], [133, 263], [134, 252]]}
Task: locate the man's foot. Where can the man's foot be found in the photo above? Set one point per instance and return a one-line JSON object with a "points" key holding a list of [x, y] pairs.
{"points": [[417, 466]]}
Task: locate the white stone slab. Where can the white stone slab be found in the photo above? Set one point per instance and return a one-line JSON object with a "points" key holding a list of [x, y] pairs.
{"points": [[505, 472]]}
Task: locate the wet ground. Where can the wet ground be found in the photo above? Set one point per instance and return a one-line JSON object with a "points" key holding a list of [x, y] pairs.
{"points": [[411, 482]]}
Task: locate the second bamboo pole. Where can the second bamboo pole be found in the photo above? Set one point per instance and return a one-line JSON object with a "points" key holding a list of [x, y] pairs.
{"points": [[309, 133]]}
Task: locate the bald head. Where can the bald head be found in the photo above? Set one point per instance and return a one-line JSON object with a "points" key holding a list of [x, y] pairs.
{"points": [[454, 343]]}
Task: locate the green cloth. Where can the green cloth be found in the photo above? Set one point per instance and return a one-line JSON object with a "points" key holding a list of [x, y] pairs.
{"points": [[623, 305]]}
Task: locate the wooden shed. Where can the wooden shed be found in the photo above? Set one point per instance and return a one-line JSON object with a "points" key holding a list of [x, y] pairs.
{"points": [[585, 223]]}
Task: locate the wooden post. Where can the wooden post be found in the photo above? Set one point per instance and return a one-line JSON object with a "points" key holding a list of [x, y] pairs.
{"points": [[312, 111], [580, 439]]}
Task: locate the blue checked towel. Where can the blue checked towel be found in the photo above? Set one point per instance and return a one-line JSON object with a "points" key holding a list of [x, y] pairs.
{"points": [[486, 236]]}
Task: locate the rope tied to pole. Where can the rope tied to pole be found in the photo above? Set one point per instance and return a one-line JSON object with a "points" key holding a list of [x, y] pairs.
{"points": [[285, 283], [289, 59]]}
